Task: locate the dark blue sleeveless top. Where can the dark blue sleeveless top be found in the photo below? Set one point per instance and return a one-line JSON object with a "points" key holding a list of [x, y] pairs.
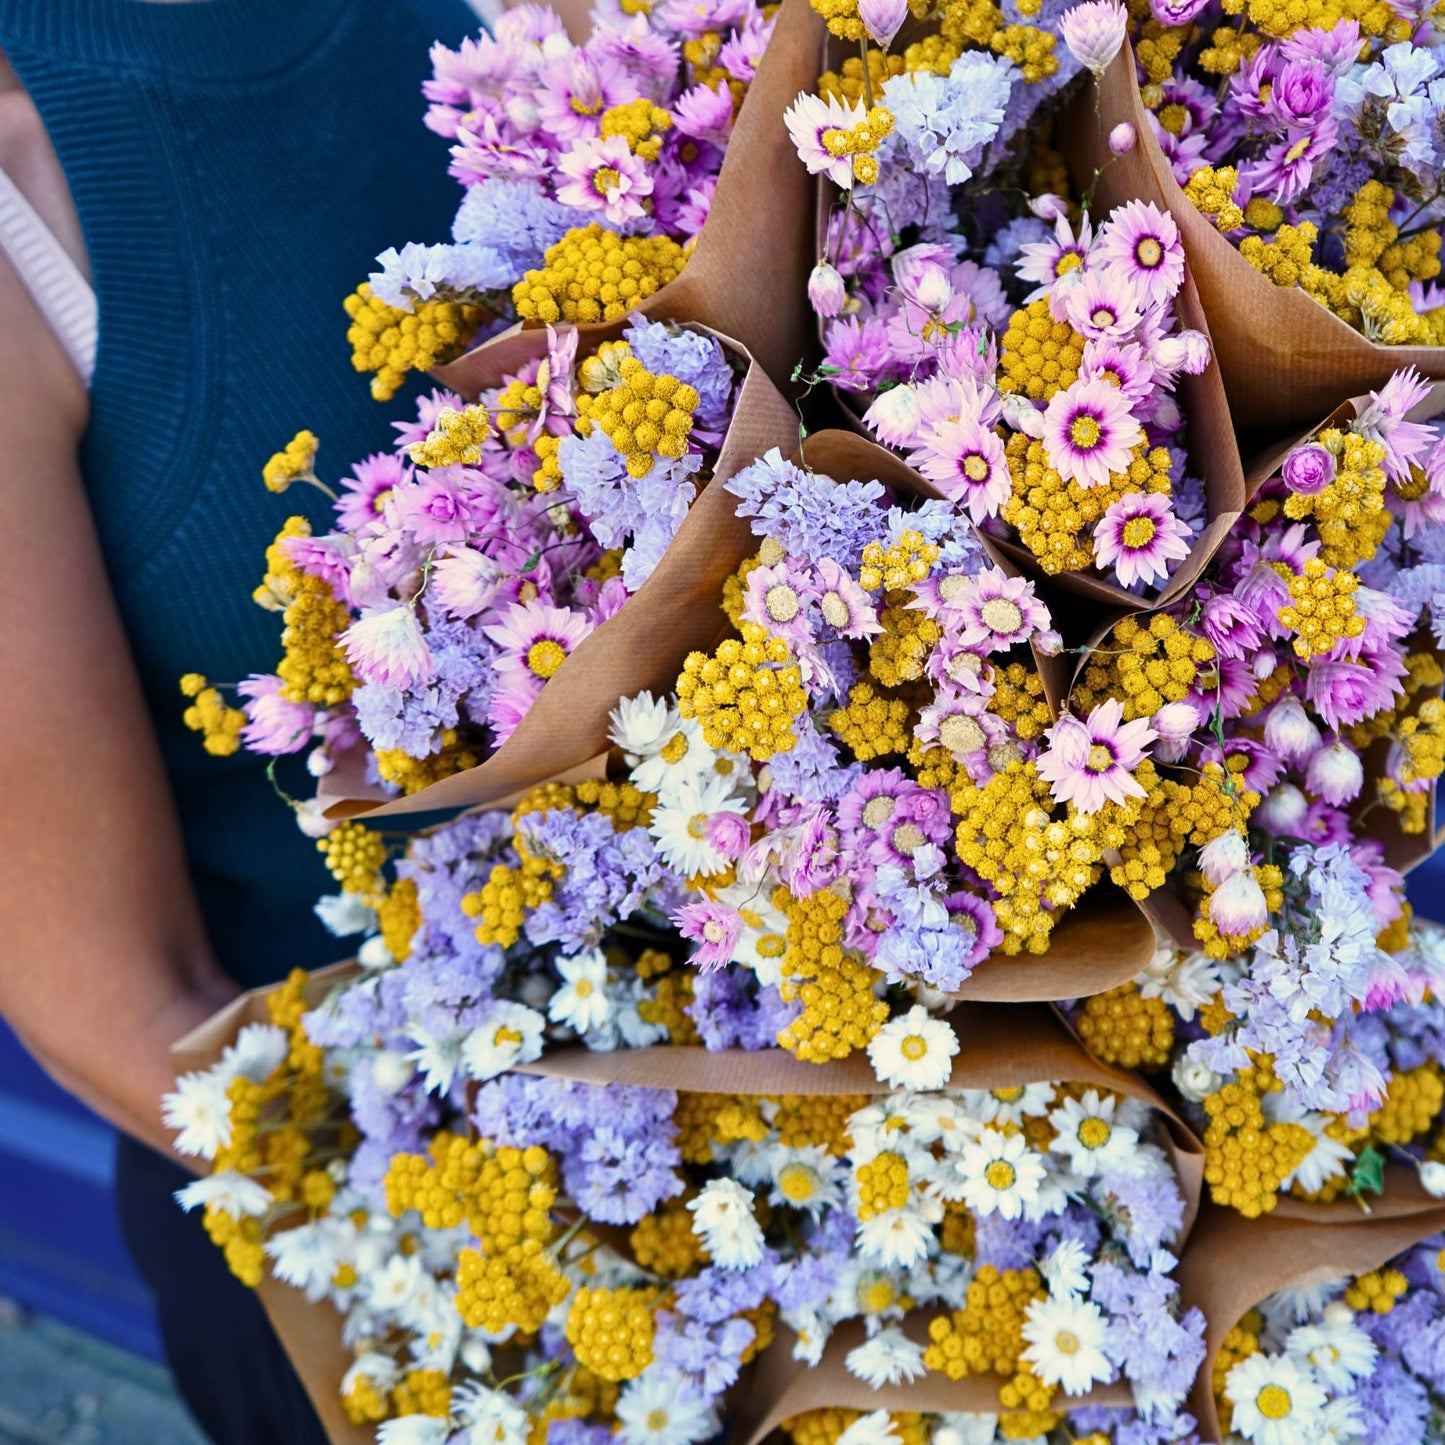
{"points": [[236, 165]]}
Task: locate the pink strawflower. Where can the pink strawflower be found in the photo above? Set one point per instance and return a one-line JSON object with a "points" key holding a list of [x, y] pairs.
{"points": [[705, 113], [554, 381], [882, 19], [857, 353], [1091, 762], [1384, 420], [714, 927], [895, 418], [1187, 350], [826, 292], [389, 647], [1143, 243], [1094, 32], [966, 461], [1138, 537], [274, 724], [440, 507], [535, 640], [1122, 138], [997, 611], [1103, 304], [807, 118], [1233, 628], [464, 582], [776, 598], [1425, 505], [1238, 906], [365, 493], [1090, 432], [1288, 166], [575, 89], [605, 176], [730, 834], [1335, 773], [958, 721], [1308, 469], [1288, 730], [1343, 693], [928, 307]]}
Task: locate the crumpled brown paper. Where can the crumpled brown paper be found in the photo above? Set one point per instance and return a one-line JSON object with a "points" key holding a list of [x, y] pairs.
{"points": [[1284, 357], [748, 271]]}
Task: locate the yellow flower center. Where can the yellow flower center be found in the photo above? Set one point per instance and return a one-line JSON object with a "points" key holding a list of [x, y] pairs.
{"points": [[379, 501], [1100, 759], [1139, 531], [674, 750], [1149, 252], [975, 468], [908, 839], [961, 733], [713, 931], [586, 107], [1066, 1342], [877, 811], [545, 657], [1103, 316], [1415, 488], [697, 826], [913, 1048], [952, 587], [834, 609], [1084, 432], [657, 1420], [1001, 615], [1000, 1174], [605, 180], [797, 1182], [1069, 261], [781, 602], [876, 1295], [1273, 1402], [1010, 1095], [1297, 149], [583, 988], [506, 1035], [1094, 1132]]}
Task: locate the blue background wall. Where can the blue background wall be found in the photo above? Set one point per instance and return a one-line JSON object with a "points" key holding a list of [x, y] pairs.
{"points": [[60, 1249]]}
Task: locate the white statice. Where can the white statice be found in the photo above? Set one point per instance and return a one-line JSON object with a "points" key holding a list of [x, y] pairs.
{"points": [[582, 1002], [1066, 1339], [913, 1051], [722, 1217], [1089, 1137], [1184, 979], [511, 1035], [228, 1191], [998, 1174], [874, 1428], [889, 1358], [489, 1416], [1194, 1078], [1432, 1178], [374, 954], [660, 1408], [1277, 1400], [810, 1179], [199, 1111]]}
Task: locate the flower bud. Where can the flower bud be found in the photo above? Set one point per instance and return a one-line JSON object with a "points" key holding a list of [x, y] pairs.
{"points": [[1122, 138], [1187, 351], [1283, 813], [826, 292], [1195, 1079], [1238, 906], [1289, 732], [1177, 720], [882, 19], [309, 817], [1048, 643], [1432, 1178], [1094, 32], [894, 416], [374, 953], [391, 1071], [1049, 207], [1222, 857], [1022, 415], [1335, 773], [1308, 469]]}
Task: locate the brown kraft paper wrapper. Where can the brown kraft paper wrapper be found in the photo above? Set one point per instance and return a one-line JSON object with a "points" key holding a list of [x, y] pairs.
{"points": [[1284, 357], [748, 271], [309, 1333], [642, 647], [1232, 1264]]}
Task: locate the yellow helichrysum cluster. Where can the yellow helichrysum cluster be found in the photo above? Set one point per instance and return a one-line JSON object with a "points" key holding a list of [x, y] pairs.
{"points": [[220, 726], [1378, 1291], [1350, 514], [644, 416], [840, 1013], [667, 1007], [906, 560], [399, 916], [1212, 190], [509, 894], [898, 654], [861, 142], [640, 123], [1229, 48], [1372, 240], [883, 1184], [355, 855], [611, 1331], [293, 463], [1147, 662], [664, 1242], [1221, 945], [985, 1337], [313, 668], [392, 342], [1321, 609], [745, 695], [1038, 356], [842, 18], [704, 1120], [455, 438], [873, 722], [498, 1294], [1123, 1027], [1246, 1158], [596, 275], [1411, 1105], [822, 1119], [1421, 750], [1286, 258], [1240, 1343], [411, 774], [423, 1392]]}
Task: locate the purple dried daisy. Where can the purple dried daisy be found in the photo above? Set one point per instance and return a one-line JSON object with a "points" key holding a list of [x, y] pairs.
{"points": [[1143, 243], [1138, 537], [1090, 431]]}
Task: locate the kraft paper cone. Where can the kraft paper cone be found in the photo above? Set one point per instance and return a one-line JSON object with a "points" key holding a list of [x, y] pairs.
{"points": [[1000, 1046], [781, 1387], [1284, 357], [1232, 1264], [639, 649], [748, 271]]}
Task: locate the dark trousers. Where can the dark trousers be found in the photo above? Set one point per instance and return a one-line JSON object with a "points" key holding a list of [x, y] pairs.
{"points": [[228, 1365]]}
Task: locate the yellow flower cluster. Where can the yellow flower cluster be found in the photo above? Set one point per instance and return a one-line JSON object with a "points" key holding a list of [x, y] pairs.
{"points": [[596, 275], [1321, 609], [667, 1008], [411, 774], [643, 416], [745, 695], [840, 1013], [399, 917], [985, 1337], [641, 124], [702, 1120], [861, 141], [1377, 1291], [1053, 518], [903, 562], [873, 723], [497, 1294], [1350, 514], [455, 439], [392, 342], [1286, 259], [1146, 662], [883, 1184], [1246, 1158], [1240, 1343], [1212, 191], [611, 1330], [664, 1242], [1421, 743], [822, 1119], [1411, 1105], [898, 654], [423, 1392], [509, 894], [1372, 240], [1038, 356], [1228, 50], [293, 463], [1018, 698], [1220, 945], [1123, 1027], [841, 17], [355, 855], [220, 726]]}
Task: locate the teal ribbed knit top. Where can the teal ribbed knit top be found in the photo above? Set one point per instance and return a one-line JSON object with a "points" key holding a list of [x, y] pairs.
{"points": [[236, 165]]}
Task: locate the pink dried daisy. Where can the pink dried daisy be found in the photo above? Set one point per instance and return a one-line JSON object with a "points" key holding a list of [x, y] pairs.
{"points": [[966, 461], [365, 493], [1103, 304], [807, 119], [1120, 363], [1143, 243], [274, 724], [575, 89], [1138, 537], [844, 605], [1090, 431], [1091, 762], [604, 175], [999, 611], [536, 639], [1047, 263], [714, 927]]}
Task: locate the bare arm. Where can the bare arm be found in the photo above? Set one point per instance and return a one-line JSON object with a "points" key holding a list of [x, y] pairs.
{"points": [[103, 955]]}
